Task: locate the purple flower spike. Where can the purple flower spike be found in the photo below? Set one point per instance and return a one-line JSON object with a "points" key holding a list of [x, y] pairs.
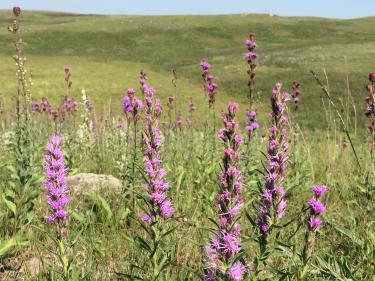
{"points": [[273, 205], [227, 241], [156, 187], [55, 183], [210, 87], [317, 208], [251, 57]]}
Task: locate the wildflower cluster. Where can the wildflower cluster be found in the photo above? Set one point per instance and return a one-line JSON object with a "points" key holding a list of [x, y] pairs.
{"points": [[273, 203], [210, 86], [132, 106], [251, 57], [55, 183], [159, 204], [252, 124], [225, 245], [317, 208]]}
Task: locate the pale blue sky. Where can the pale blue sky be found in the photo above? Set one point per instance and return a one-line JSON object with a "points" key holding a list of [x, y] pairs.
{"points": [[322, 8]]}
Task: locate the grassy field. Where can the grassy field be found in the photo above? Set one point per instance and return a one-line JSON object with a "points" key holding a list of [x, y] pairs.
{"points": [[107, 52], [104, 238]]}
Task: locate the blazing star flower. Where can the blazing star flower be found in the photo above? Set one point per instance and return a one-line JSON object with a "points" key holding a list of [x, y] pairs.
{"points": [[159, 204], [67, 69], [319, 190], [236, 272], [226, 243], [370, 109], [251, 57], [55, 183], [210, 86], [317, 208], [314, 223], [205, 65], [16, 11], [132, 105], [273, 192], [252, 125]]}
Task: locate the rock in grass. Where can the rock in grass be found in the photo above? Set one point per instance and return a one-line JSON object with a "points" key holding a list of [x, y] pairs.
{"points": [[87, 182]]}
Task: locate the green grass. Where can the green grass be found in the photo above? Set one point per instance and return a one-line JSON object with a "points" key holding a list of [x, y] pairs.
{"points": [[107, 52]]}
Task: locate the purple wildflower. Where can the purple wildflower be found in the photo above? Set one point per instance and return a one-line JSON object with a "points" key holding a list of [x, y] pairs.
{"points": [[210, 87], [251, 56], [132, 105], [273, 204], [226, 243], [55, 183], [314, 223], [236, 272], [252, 124], [370, 109], [317, 208], [319, 190], [160, 205]]}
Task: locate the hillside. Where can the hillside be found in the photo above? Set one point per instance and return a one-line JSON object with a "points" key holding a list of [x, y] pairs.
{"points": [[106, 53]]}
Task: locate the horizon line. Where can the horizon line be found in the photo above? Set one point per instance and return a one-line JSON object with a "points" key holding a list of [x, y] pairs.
{"points": [[181, 14]]}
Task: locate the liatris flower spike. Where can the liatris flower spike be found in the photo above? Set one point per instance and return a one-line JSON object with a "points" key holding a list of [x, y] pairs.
{"points": [[55, 183], [251, 57], [161, 206], [210, 86], [273, 203], [220, 253], [370, 109], [317, 208]]}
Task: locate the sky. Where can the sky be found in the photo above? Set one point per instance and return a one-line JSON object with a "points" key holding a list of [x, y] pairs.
{"points": [[320, 8]]}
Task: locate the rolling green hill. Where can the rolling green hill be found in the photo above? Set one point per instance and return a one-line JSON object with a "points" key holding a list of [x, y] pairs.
{"points": [[107, 52]]}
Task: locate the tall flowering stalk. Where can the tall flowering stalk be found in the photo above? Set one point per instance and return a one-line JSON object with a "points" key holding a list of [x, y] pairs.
{"points": [[316, 209], [220, 254], [159, 207], [132, 106], [273, 205], [210, 89], [55, 183], [57, 197], [296, 94], [21, 192], [370, 109], [171, 106], [85, 130], [192, 108], [251, 57], [174, 83], [209, 86]]}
